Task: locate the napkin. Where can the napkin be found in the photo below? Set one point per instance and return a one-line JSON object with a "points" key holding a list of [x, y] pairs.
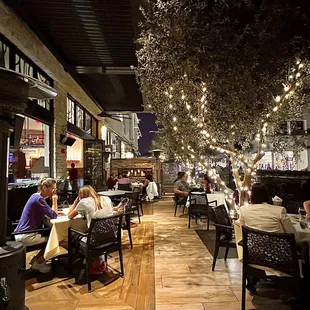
{"points": [[277, 199]]}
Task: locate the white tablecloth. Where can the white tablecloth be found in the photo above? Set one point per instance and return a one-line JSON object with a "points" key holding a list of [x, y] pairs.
{"points": [[59, 232], [302, 235], [219, 197], [116, 193]]}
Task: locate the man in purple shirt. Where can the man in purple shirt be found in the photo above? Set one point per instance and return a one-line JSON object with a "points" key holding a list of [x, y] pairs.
{"points": [[33, 216]]}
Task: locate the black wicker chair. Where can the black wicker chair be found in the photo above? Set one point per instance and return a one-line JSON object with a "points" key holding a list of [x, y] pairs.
{"points": [[103, 237], [179, 201], [140, 197], [199, 206], [274, 250], [224, 232], [126, 225], [134, 199]]}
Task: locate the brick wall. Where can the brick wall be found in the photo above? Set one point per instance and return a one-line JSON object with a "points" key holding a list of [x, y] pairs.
{"points": [[60, 122]]}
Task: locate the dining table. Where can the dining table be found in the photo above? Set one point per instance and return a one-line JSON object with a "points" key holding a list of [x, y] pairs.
{"points": [[219, 197], [113, 194], [301, 234], [59, 232]]}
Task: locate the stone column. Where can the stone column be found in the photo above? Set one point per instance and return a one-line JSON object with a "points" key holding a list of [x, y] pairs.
{"points": [[60, 123]]}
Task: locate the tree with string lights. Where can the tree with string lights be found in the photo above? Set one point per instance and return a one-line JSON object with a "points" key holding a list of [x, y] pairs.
{"points": [[223, 75]]}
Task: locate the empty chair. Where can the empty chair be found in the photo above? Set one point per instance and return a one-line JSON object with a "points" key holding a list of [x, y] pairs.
{"points": [[134, 199], [224, 232], [179, 202], [199, 206]]}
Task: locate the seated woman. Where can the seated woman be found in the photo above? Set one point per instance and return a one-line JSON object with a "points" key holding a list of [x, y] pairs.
{"points": [[207, 183], [147, 181], [33, 216], [87, 204], [90, 205], [263, 216]]}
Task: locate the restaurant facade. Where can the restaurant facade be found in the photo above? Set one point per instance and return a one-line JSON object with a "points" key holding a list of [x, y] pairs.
{"points": [[43, 130]]}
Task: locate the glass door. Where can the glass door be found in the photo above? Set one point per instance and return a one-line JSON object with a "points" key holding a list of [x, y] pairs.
{"points": [[93, 165]]}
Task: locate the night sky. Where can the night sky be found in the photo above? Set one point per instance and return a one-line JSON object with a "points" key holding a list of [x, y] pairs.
{"points": [[147, 124]]}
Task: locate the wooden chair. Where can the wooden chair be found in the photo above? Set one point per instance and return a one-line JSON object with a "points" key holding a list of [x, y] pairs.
{"points": [[199, 206], [103, 237], [224, 232]]}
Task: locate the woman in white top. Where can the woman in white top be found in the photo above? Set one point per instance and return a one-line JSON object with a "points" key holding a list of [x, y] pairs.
{"points": [[263, 216], [88, 204]]}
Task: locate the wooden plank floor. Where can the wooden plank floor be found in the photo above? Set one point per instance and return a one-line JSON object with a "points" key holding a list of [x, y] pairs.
{"points": [[168, 268]]}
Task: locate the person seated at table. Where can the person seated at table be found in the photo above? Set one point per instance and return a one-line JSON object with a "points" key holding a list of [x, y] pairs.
{"points": [[147, 181], [263, 216], [34, 212], [305, 192], [124, 179], [181, 188], [180, 173], [111, 181], [207, 183], [87, 204]]}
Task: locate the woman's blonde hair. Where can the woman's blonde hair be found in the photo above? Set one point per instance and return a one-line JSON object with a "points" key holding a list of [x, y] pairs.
{"points": [[87, 191], [47, 182]]}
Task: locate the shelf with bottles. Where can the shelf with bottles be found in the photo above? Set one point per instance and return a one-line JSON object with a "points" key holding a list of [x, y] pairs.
{"points": [[135, 172]]}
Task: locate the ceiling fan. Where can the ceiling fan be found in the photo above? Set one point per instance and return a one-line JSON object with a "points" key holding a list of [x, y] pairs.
{"points": [[115, 116]]}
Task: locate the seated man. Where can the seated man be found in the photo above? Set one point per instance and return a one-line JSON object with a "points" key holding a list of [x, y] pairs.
{"points": [[111, 181], [181, 188], [33, 216]]}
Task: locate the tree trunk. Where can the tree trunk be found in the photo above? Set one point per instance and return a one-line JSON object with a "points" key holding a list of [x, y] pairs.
{"points": [[244, 196]]}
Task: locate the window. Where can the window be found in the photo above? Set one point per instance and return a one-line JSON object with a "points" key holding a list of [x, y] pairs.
{"points": [[79, 117], [4, 55], [94, 129], [70, 111], [88, 127], [22, 66], [34, 150]]}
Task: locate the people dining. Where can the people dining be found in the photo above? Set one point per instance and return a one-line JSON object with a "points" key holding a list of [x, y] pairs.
{"points": [[207, 183], [32, 218], [263, 216], [87, 204], [111, 181], [123, 179], [180, 173], [147, 181], [181, 187]]}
